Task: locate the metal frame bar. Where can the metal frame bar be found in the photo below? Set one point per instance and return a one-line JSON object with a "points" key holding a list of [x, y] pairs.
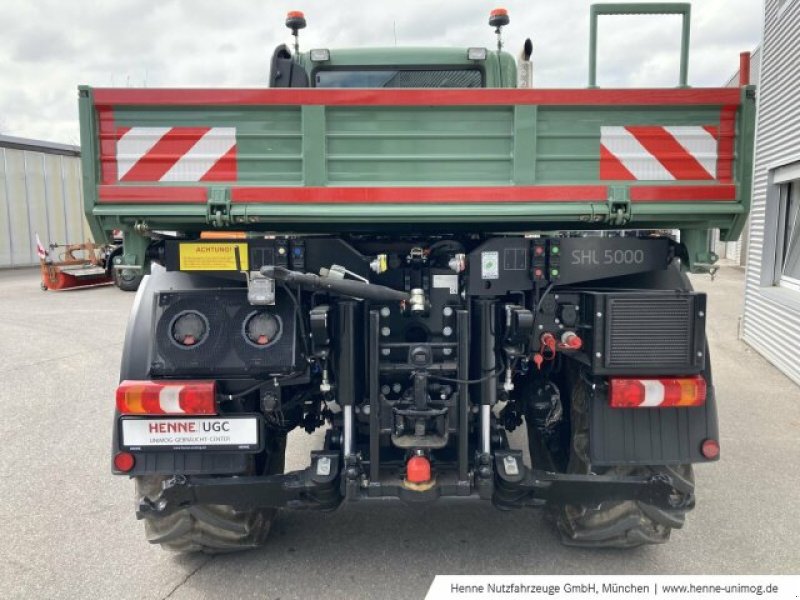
{"points": [[462, 320], [683, 9], [374, 400]]}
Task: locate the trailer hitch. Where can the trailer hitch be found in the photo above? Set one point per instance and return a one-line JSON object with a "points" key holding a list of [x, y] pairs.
{"points": [[314, 488]]}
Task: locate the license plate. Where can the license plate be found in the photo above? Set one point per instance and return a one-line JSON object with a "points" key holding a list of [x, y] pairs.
{"points": [[218, 433]]}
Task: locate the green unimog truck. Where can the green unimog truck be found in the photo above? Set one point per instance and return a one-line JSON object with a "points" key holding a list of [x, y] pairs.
{"points": [[405, 248]]}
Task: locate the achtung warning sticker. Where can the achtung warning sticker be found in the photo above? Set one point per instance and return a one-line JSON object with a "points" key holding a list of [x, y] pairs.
{"points": [[213, 257]]}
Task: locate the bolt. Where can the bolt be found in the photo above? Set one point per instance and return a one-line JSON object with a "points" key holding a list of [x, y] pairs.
{"points": [[385, 331], [447, 331], [447, 311], [701, 314], [598, 354], [599, 315], [386, 311], [386, 351]]}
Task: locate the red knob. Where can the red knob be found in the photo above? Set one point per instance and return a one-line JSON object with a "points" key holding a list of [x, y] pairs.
{"points": [[418, 470]]}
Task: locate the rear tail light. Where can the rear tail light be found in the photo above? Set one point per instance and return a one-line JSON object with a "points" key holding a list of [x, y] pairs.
{"points": [[710, 449], [166, 398], [124, 461], [629, 392]]}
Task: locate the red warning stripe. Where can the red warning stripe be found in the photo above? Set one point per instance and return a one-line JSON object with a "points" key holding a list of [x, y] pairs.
{"points": [[415, 97], [666, 149], [117, 194], [108, 145], [611, 168], [726, 140], [164, 154], [224, 169], [683, 193], [420, 195]]}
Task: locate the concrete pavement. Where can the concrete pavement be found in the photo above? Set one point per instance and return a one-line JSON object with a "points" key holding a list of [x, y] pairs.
{"points": [[68, 528]]}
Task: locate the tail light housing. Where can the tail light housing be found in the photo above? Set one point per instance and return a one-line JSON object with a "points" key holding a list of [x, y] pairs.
{"points": [[167, 398], [661, 392]]}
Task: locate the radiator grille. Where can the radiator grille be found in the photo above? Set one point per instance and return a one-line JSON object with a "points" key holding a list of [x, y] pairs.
{"points": [[647, 331]]}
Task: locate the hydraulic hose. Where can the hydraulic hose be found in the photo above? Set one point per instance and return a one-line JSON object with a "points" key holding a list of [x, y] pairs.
{"points": [[345, 287]]}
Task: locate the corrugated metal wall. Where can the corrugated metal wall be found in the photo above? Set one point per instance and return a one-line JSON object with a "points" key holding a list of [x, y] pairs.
{"points": [[772, 315], [40, 192]]}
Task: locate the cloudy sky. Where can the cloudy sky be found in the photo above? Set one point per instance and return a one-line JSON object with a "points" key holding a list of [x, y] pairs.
{"points": [[49, 47]]}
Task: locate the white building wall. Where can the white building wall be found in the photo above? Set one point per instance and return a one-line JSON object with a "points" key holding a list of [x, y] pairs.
{"points": [[40, 192], [772, 314]]}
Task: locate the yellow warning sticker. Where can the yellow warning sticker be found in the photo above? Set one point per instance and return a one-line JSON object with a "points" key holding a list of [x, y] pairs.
{"points": [[213, 257]]}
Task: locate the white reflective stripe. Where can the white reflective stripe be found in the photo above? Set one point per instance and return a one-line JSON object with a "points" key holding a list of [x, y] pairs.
{"points": [[626, 148], [653, 392], [169, 399], [699, 143], [216, 142], [136, 142]]}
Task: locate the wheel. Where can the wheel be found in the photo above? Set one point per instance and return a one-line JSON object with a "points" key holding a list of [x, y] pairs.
{"points": [[614, 524], [43, 287], [127, 280], [212, 528]]}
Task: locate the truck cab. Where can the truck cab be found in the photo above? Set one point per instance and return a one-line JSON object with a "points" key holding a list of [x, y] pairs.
{"points": [[393, 68]]}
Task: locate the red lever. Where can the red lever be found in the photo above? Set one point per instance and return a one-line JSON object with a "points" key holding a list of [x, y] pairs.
{"points": [[548, 344], [571, 341]]}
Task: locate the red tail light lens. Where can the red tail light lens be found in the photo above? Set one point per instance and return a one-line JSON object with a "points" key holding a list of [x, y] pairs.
{"points": [[629, 392], [710, 449], [166, 398], [124, 461]]}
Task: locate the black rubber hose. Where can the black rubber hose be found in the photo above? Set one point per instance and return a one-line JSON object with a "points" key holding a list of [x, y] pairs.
{"points": [[346, 287]]}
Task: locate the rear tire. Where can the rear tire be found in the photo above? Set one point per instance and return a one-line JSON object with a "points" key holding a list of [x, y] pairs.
{"points": [[211, 528], [615, 524]]}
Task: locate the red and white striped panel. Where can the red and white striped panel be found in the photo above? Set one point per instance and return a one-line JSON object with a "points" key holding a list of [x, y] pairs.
{"points": [[678, 152], [177, 154]]}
